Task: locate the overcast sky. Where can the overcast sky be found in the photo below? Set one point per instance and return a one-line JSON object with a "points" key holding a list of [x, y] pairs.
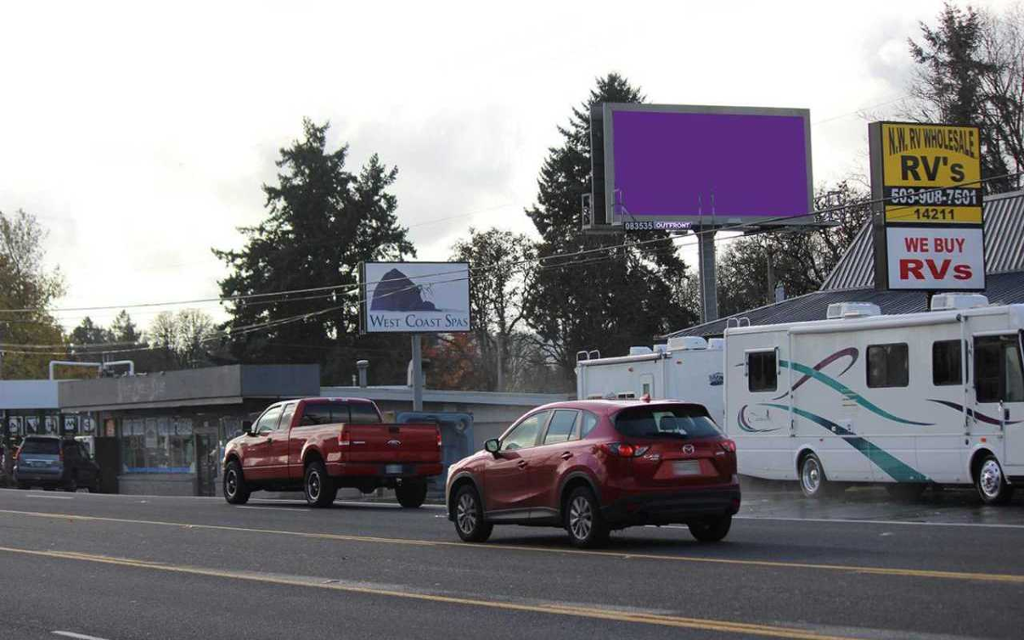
{"points": [[140, 136]]}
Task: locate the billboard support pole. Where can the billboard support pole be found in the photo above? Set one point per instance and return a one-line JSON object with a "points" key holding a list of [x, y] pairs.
{"points": [[417, 372], [708, 280]]}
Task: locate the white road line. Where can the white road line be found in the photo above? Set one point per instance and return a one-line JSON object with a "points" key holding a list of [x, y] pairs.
{"points": [[79, 636], [43, 495], [267, 508], [988, 525]]}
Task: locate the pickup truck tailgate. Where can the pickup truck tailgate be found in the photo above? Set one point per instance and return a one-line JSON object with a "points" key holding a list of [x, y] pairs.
{"points": [[393, 443]]}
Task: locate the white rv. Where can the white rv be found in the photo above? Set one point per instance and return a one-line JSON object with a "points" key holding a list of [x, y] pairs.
{"points": [[687, 368], [915, 399]]}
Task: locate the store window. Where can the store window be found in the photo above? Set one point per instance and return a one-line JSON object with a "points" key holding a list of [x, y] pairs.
{"points": [[157, 445]]}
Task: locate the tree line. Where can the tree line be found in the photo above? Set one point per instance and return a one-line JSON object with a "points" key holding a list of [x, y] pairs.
{"points": [[536, 301]]}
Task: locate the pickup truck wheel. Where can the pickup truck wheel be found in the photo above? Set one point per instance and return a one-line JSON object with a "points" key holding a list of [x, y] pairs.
{"points": [[235, 489], [411, 493], [469, 516], [318, 486]]}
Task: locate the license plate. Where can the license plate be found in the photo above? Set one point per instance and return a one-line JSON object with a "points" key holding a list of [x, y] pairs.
{"points": [[686, 467], [393, 469]]}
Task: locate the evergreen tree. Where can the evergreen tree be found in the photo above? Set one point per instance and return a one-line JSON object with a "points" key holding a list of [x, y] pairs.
{"points": [[322, 221], [612, 299], [950, 84]]}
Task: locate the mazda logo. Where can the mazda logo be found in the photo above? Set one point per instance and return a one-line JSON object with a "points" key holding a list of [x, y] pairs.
{"points": [[688, 448], [394, 443]]}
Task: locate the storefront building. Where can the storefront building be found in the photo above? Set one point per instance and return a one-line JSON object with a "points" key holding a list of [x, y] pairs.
{"points": [[165, 433]]}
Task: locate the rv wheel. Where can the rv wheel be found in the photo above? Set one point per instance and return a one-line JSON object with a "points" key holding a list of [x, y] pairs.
{"points": [[991, 483], [813, 481]]}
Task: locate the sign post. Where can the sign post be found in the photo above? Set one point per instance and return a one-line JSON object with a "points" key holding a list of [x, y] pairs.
{"points": [[928, 226]]}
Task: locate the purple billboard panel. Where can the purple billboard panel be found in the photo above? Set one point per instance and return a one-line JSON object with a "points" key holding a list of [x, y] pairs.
{"points": [[740, 165]]}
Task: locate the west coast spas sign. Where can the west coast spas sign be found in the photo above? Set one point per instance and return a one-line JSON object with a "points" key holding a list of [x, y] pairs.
{"points": [[415, 297], [926, 184]]}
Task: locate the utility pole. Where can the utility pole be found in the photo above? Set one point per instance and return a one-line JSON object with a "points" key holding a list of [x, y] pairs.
{"points": [[501, 364], [417, 372], [771, 274]]}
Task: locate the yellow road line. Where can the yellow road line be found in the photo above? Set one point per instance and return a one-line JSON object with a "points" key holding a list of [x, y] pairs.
{"points": [[706, 624], [1005, 578]]}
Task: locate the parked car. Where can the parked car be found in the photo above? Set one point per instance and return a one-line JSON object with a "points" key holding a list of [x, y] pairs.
{"points": [[51, 462], [596, 466], [318, 445]]}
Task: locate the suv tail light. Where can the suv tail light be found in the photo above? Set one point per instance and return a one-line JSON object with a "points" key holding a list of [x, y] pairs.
{"points": [[439, 439], [624, 449], [728, 445], [17, 454]]}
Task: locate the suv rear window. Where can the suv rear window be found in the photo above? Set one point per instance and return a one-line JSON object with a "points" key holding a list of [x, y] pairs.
{"points": [[666, 421], [41, 446]]}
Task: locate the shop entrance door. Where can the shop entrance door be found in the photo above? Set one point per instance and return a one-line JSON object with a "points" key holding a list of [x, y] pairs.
{"points": [[206, 463]]}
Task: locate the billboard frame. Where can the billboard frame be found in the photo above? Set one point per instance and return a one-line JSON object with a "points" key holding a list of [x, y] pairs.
{"points": [[602, 210], [364, 299]]}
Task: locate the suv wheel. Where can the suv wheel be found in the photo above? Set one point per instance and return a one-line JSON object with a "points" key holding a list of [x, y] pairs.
{"points": [[411, 493], [711, 529], [318, 486], [235, 489], [583, 520], [469, 516], [991, 483]]}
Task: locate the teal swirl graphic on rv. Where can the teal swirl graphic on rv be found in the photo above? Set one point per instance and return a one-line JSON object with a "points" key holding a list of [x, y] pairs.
{"points": [[834, 384]]}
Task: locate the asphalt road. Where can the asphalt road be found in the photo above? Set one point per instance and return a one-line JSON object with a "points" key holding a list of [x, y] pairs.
{"points": [[124, 567]]}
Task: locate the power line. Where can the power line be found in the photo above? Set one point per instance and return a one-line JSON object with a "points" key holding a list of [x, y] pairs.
{"points": [[540, 259]]}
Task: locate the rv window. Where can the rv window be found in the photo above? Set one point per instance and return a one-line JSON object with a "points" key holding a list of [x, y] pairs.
{"points": [[888, 365], [997, 369], [762, 372], [947, 366]]}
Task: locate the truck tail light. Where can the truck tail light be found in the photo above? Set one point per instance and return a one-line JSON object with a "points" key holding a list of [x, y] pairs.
{"points": [[343, 438], [624, 449], [439, 439], [728, 445]]}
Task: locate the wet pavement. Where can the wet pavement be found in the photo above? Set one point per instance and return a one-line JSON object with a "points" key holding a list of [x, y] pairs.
{"points": [[874, 504]]}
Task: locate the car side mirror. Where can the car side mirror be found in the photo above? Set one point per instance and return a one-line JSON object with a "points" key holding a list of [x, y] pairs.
{"points": [[247, 427], [492, 446]]}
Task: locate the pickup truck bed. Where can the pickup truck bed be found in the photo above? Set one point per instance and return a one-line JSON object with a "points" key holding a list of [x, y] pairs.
{"points": [[318, 445]]}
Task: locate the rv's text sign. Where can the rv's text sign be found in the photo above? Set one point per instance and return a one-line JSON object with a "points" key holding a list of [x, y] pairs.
{"points": [[936, 258], [931, 173]]}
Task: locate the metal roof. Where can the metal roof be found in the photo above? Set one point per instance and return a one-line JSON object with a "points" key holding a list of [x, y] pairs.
{"points": [[1004, 245], [853, 279], [1003, 288]]}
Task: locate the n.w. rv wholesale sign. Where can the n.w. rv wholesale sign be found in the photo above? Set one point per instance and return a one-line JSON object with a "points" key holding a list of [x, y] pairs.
{"points": [[927, 189]]}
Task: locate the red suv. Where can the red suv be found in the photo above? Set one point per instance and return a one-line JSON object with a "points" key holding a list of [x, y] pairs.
{"points": [[594, 466]]}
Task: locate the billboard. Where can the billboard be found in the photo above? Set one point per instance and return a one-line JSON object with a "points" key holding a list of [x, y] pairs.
{"points": [[414, 297], [671, 167], [929, 226]]}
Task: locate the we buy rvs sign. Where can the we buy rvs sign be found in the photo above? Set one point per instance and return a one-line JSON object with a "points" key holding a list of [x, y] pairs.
{"points": [[936, 258]]}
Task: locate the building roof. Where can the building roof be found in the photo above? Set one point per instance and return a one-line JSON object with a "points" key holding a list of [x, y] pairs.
{"points": [[451, 397], [853, 279], [230, 384], [28, 394], [1004, 245]]}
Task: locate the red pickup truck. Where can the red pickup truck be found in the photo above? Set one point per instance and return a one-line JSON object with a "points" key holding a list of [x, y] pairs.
{"points": [[320, 445]]}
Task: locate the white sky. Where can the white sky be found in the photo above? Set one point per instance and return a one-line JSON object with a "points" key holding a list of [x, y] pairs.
{"points": [[140, 136]]}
